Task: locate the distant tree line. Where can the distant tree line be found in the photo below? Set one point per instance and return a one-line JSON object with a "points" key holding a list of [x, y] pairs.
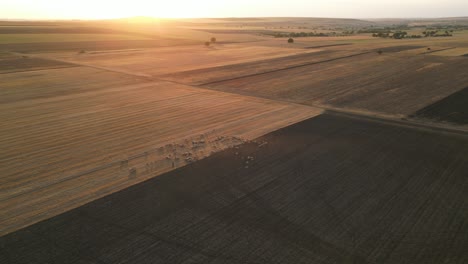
{"points": [[450, 28], [305, 34], [404, 34], [435, 33], [394, 31]]}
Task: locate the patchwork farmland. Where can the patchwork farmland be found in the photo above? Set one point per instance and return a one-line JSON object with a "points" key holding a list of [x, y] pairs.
{"points": [[125, 144], [63, 122], [331, 189]]}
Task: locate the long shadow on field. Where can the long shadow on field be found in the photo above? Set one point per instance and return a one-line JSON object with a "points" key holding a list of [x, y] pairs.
{"points": [[398, 48], [91, 45], [327, 190], [453, 109]]}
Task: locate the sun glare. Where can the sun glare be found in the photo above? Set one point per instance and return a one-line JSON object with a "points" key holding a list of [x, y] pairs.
{"points": [[93, 9], [89, 9]]}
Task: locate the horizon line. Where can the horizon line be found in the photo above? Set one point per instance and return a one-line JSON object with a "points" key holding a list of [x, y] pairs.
{"points": [[230, 17]]}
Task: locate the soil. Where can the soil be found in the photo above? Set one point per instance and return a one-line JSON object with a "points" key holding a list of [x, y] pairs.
{"points": [[330, 189]]}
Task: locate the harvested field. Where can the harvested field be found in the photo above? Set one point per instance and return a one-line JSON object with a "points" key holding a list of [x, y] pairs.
{"points": [[398, 48], [91, 45], [236, 31], [10, 65], [452, 109], [389, 83], [452, 52], [167, 60], [60, 38], [60, 30], [329, 45], [72, 135], [331, 189], [212, 75]]}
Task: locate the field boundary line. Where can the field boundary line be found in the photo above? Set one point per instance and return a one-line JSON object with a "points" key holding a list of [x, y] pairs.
{"points": [[87, 65], [434, 51], [398, 122], [284, 69]]}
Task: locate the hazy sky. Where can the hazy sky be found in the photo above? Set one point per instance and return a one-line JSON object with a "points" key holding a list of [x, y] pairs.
{"points": [[90, 9]]}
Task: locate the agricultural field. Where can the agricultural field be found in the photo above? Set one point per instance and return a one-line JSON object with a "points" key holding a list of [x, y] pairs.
{"points": [[390, 83], [66, 132], [213, 141], [161, 61], [332, 189], [452, 109], [16, 63]]}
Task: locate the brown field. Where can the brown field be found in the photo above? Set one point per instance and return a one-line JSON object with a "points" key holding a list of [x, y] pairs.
{"points": [[332, 189], [91, 108], [212, 75], [387, 83], [452, 109]]}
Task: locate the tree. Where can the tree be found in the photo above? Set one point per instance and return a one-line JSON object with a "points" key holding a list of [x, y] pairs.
{"points": [[207, 43], [213, 40], [399, 34], [290, 40]]}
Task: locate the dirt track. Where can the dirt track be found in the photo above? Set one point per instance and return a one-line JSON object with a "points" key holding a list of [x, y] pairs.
{"points": [[327, 190]]}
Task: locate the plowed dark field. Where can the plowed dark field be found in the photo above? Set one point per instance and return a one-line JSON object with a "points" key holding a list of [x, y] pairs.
{"points": [[452, 109], [10, 65], [331, 189]]}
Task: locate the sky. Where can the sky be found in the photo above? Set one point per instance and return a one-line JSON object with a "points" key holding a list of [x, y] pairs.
{"points": [[101, 9]]}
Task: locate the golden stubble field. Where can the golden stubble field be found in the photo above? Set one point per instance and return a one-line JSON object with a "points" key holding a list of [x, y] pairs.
{"points": [[71, 135], [166, 60]]}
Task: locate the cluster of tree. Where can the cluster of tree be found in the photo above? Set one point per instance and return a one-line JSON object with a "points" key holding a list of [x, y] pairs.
{"points": [[381, 35], [301, 34], [404, 34], [450, 28], [435, 33], [400, 34], [374, 31], [349, 32], [395, 35]]}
